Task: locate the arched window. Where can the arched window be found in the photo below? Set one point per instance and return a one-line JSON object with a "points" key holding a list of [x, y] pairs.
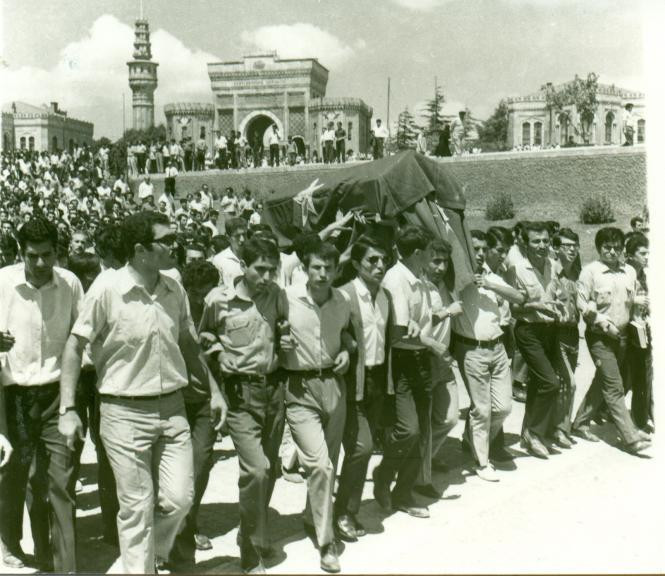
{"points": [[71, 145], [202, 132], [54, 144], [609, 122], [526, 134], [31, 143], [641, 126], [563, 130], [348, 132], [22, 142], [5, 141], [538, 134]]}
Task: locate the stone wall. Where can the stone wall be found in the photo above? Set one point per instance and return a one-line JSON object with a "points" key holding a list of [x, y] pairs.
{"points": [[545, 184]]}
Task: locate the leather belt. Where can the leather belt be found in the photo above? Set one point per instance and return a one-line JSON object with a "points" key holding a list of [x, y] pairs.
{"points": [[321, 373], [477, 343], [148, 397]]}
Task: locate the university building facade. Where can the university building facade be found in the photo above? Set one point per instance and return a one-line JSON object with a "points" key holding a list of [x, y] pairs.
{"points": [[42, 128], [531, 123], [252, 94]]}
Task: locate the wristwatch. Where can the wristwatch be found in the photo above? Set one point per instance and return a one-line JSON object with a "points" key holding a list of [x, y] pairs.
{"points": [[64, 409]]}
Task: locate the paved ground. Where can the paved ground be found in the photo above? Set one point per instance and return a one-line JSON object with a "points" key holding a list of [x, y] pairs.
{"points": [[591, 509]]}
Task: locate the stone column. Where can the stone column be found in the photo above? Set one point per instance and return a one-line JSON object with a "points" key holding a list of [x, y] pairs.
{"points": [[286, 115]]}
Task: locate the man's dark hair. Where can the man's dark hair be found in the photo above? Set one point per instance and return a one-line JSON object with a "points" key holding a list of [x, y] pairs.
{"points": [[362, 245], [441, 246], [37, 230], [636, 219], [566, 233], [196, 246], [83, 264], [137, 229], [256, 248], [256, 228], [219, 243], [303, 242], [609, 234], [553, 226], [410, 239], [478, 235], [499, 235], [537, 226], [235, 224], [199, 273], [324, 251], [636, 241]]}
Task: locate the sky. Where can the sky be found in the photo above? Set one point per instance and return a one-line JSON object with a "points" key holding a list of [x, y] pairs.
{"points": [[75, 52]]}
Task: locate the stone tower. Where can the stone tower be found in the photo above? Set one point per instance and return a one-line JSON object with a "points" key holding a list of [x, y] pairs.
{"points": [[142, 78]]}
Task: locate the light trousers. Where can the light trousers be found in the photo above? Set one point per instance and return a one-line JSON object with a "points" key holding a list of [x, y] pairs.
{"points": [[149, 446]]}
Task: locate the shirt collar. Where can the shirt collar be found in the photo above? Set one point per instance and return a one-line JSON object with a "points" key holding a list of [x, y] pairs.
{"points": [[229, 254], [129, 280], [408, 275], [604, 268], [19, 278], [361, 289], [239, 290]]}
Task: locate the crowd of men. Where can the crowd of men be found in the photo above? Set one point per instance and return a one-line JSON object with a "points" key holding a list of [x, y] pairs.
{"points": [[152, 331]]}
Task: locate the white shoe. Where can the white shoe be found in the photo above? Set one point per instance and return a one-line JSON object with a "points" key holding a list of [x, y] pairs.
{"points": [[486, 473]]}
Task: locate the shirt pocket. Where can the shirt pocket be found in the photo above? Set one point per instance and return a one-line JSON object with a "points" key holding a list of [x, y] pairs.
{"points": [[132, 327], [240, 330], [603, 297]]}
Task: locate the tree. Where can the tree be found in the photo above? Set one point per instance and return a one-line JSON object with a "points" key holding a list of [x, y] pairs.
{"points": [[407, 130], [493, 134], [580, 94], [583, 95], [433, 113]]}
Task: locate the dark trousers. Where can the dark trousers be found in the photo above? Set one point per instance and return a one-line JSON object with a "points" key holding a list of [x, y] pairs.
{"points": [[364, 423], [340, 146], [87, 406], [329, 151], [412, 375], [608, 355], [274, 154], [539, 345], [640, 368], [569, 344], [222, 160], [32, 422], [256, 423], [203, 442]]}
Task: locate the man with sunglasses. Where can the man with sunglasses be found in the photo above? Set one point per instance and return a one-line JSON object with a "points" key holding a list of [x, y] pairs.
{"points": [[606, 294], [366, 380], [138, 322]]}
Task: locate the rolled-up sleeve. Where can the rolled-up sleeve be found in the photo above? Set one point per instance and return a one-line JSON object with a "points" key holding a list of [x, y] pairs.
{"points": [[92, 317]]}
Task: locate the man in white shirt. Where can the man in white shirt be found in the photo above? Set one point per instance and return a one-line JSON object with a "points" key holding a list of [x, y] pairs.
{"points": [[146, 188], [380, 137], [273, 140], [366, 380], [221, 146], [328, 140], [103, 190], [121, 185], [629, 125], [411, 373], [228, 261], [41, 303]]}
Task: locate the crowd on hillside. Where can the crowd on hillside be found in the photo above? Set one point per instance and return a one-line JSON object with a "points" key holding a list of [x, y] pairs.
{"points": [[151, 326]]}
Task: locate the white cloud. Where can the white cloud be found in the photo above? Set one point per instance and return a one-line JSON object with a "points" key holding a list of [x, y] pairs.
{"points": [[91, 75], [300, 40], [420, 5]]}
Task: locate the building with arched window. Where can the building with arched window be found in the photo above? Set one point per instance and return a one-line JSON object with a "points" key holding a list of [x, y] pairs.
{"points": [[42, 128], [252, 94], [532, 123]]}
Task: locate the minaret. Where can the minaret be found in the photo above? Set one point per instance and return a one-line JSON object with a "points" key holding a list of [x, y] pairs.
{"points": [[142, 78]]}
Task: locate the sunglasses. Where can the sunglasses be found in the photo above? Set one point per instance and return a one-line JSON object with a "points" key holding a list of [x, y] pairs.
{"points": [[168, 240]]}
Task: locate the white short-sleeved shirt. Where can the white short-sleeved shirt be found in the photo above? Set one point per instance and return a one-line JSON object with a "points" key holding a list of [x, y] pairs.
{"points": [[40, 320], [410, 298], [134, 335]]}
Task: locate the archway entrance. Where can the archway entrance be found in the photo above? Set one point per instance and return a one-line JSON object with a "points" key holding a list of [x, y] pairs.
{"points": [[258, 127]]}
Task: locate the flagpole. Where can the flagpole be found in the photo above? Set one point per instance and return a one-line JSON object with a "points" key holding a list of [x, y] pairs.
{"points": [[388, 111]]}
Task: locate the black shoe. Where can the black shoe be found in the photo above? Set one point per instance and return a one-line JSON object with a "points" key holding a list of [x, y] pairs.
{"points": [[345, 528], [561, 440], [381, 490], [551, 448], [519, 393], [586, 434], [533, 445], [202, 542], [330, 559], [360, 529]]}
